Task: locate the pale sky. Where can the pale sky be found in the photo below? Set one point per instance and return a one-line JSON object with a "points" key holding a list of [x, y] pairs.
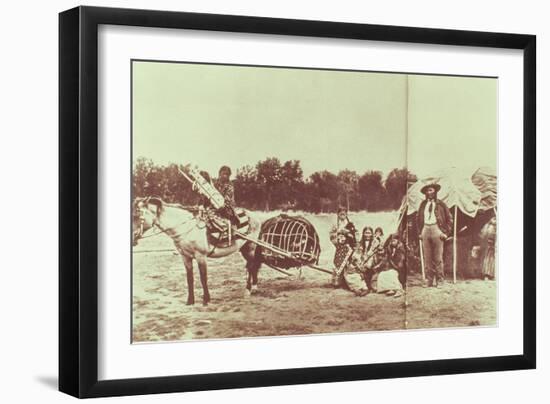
{"points": [[452, 123], [231, 115]]}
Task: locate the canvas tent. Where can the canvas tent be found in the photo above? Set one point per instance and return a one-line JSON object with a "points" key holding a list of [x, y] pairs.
{"points": [[485, 179], [461, 191], [457, 190]]}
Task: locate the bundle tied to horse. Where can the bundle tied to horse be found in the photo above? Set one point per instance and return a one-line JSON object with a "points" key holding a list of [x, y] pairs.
{"points": [[294, 240], [284, 242]]}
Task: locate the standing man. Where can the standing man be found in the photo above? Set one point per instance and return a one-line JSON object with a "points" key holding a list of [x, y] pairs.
{"points": [[435, 225]]}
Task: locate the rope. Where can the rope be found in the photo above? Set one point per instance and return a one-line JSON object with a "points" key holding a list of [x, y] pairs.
{"points": [[154, 251], [165, 230]]}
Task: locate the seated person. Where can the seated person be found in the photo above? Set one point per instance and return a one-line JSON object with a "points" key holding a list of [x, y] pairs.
{"points": [[387, 281], [379, 264], [221, 219], [225, 187], [367, 247], [396, 255]]}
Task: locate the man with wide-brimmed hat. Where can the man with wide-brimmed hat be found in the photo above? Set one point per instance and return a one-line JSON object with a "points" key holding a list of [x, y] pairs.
{"points": [[435, 225]]}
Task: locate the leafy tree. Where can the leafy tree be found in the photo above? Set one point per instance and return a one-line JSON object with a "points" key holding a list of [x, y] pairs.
{"points": [[396, 186], [248, 192], [371, 191], [288, 190], [139, 179], [272, 185], [269, 176], [308, 198], [348, 181], [325, 185], [155, 181], [178, 189]]}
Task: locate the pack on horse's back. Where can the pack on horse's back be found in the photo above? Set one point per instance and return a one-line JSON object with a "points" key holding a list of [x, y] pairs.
{"points": [[284, 241], [220, 232]]}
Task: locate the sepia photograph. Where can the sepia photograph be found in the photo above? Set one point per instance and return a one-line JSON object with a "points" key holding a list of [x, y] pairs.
{"points": [[279, 201]]}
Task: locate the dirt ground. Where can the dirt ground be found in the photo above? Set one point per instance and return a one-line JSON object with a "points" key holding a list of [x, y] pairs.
{"points": [[289, 305]]}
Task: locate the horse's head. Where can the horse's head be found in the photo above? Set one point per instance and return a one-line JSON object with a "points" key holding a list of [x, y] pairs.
{"points": [[145, 213]]}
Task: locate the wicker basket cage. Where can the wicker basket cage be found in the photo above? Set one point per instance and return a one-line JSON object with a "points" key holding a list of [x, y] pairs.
{"points": [[294, 235]]}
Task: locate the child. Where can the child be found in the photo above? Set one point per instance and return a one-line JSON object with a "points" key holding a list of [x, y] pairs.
{"points": [[378, 237]]}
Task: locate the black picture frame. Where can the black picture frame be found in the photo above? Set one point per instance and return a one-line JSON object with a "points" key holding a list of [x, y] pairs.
{"points": [[78, 201]]}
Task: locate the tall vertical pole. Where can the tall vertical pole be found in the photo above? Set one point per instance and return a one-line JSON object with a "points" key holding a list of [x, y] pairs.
{"points": [[405, 212], [422, 265], [454, 244]]}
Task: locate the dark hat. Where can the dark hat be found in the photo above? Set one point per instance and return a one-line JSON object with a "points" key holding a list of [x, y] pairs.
{"points": [[436, 187]]}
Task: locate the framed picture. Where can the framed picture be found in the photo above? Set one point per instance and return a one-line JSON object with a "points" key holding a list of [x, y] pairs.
{"points": [[250, 201]]}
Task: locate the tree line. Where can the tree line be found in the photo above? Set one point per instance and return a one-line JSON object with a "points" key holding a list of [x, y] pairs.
{"points": [[272, 184]]}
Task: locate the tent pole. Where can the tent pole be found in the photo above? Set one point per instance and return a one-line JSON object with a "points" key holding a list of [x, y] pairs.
{"points": [[422, 259], [454, 244]]}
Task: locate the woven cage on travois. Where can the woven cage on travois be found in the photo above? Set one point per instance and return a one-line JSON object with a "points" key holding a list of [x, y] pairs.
{"points": [[291, 234]]}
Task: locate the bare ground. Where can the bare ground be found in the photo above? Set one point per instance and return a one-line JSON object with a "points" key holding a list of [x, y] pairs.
{"points": [[286, 305]]}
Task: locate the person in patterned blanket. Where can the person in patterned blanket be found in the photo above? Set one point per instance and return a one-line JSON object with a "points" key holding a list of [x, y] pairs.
{"points": [[346, 272], [225, 187], [344, 224], [221, 220]]}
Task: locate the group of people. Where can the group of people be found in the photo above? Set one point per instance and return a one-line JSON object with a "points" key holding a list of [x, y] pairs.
{"points": [[357, 263], [373, 256]]}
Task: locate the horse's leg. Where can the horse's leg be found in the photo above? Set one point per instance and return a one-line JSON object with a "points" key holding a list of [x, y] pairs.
{"points": [[248, 279], [188, 262], [254, 274], [248, 255], [252, 255], [201, 261]]}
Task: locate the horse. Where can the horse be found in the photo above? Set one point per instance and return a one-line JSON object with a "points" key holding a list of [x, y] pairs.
{"points": [[189, 234]]}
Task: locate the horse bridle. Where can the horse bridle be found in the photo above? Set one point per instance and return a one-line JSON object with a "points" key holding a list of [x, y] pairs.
{"points": [[141, 217], [139, 235]]}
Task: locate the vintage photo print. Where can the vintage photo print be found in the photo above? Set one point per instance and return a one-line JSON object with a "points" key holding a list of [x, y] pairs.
{"points": [[277, 201]]}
